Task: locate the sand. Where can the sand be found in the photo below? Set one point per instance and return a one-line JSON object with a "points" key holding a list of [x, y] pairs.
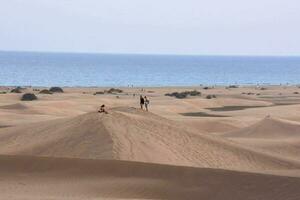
{"points": [[60, 147]]}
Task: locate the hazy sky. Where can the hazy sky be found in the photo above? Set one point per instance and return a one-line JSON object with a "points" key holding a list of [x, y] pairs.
{"points": [[248, 27]]}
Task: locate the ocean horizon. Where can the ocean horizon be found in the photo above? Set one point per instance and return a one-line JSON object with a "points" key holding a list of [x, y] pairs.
{"points": [[142, 70]]}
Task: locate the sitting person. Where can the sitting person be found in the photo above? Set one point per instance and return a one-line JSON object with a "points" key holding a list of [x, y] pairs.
{"points": [[102, 109]]}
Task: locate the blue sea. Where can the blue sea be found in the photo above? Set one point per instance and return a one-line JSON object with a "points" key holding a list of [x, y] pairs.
{"points": [[74, 69]]}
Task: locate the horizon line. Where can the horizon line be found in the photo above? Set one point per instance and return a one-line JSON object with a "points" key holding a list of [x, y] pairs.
{"points": [[145, 54]]}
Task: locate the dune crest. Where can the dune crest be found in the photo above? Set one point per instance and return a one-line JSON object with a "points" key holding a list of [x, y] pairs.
{"points": [[133, 135], [16, 106], [268, 128]]}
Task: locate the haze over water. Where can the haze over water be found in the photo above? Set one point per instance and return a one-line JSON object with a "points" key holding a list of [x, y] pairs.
{"points": [[70, 69]]}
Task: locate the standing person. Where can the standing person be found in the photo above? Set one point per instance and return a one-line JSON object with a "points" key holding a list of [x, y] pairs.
{"points": [[146, 103], [142, 102]]}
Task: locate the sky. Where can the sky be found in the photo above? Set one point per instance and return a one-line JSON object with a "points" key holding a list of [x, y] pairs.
{"points": [[201, 27]]}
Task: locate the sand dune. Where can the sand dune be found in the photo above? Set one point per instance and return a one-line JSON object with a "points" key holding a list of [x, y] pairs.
{"points": [[16, 106], [274, 136], [61, 178], [134, 135], [269, 128], [288, 148], [215, 126], [59, 148], [132, 154], [20, 108]]}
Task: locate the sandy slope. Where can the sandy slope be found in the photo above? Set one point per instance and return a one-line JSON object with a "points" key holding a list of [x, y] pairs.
{"points": [[287, 148], [16, 106], [269, 128], [135, 135], [60, 178], [275, 136]]}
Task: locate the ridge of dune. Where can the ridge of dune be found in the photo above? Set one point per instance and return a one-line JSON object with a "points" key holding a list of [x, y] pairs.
{"points": [[133, 135], [16, 106], [20, 108], [26, 177], [268, 128], [270, 135]]}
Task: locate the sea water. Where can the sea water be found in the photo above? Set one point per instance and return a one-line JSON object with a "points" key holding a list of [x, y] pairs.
{"points": [[80, 69]]}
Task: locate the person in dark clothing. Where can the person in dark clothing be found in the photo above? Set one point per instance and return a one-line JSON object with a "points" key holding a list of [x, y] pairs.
{"points": [[142, 102], [146, 102]]}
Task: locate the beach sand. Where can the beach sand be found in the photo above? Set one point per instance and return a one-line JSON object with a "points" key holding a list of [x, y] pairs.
{"points": [[243, 144]]}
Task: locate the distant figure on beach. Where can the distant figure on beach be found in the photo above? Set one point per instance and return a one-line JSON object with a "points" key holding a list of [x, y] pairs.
{"points": [[102, 109], [142, 102], [146, 102]]}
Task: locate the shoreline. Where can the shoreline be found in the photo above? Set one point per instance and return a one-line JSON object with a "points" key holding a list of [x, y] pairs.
{"points": [[159, 87]]}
